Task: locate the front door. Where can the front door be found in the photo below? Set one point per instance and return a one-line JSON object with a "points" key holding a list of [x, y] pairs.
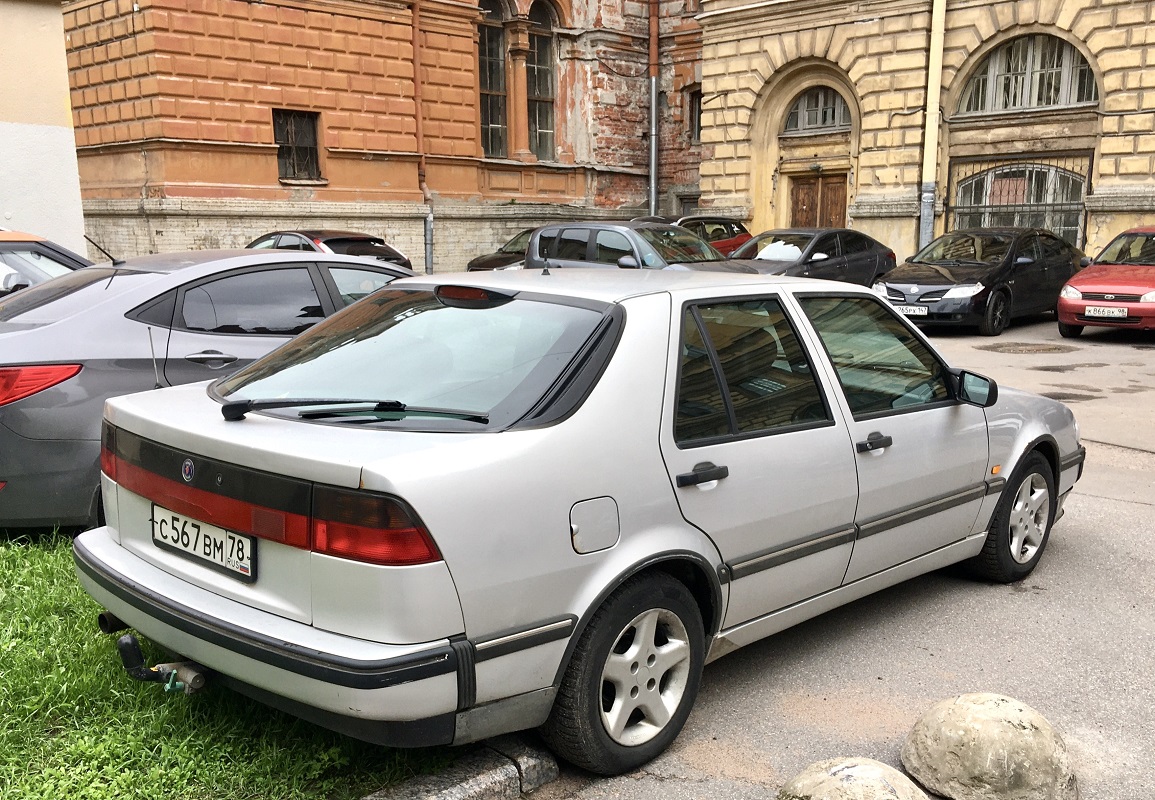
{"points": [[752, 435], [921, 454], [818, 201]]}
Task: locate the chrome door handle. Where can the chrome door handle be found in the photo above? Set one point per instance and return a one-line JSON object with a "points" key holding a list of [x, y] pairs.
{"points": [[211, 358], [875, 441], [703, 473]]}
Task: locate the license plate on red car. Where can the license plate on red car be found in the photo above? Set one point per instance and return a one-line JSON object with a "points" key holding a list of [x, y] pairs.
{"points": [[1105, 311], [225, 551]]}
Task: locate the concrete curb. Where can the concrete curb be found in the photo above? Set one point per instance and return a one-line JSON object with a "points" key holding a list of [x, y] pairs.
{"points": [[504, 767]]}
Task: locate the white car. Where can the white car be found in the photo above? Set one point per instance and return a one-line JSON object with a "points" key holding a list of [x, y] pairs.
{"points": [[481, 502]]}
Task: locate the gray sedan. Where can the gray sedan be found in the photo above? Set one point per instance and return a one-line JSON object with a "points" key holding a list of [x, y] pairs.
{"points": [[486, 501], [68, 344]]}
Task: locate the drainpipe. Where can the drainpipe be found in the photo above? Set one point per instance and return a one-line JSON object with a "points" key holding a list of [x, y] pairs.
{"points": [[426, 195], [933, 123], [653, 107]]}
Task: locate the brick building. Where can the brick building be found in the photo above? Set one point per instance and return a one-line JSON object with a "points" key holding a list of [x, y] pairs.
{"points": [[907, 118], [204, 123]]}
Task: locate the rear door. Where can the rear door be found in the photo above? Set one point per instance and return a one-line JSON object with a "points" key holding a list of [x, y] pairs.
{"points": [[921, 455], [1030, 277], [861, 260], [224, 322], [758, 455]]}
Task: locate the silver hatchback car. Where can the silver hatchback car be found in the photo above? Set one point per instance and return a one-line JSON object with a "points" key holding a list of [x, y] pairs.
{"points": [[483, 502]]}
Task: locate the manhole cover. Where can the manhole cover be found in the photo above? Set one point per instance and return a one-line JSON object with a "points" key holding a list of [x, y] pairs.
{"points": [[1027, 347]]}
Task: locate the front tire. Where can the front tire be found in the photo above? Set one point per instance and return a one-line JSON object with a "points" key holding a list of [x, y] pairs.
{"points": [[632, 679], [1069, 331], [1021, 524], [996, 316]]}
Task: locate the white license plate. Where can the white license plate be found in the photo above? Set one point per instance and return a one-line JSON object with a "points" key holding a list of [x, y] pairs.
{"points": [[1105, 311], [912, 311], [231, 553]]}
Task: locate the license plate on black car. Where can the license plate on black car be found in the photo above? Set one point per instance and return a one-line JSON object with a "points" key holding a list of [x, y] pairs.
{"points": [[912, 311], [234, 554]]}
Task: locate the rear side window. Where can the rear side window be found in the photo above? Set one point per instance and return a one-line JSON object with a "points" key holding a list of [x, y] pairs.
{"points": [[854, 243], [69, 294], [743, 372], [353, 284], [571, 245], [280, 302]]}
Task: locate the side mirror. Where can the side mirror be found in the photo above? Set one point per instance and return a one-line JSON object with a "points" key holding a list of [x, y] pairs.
{"points": [[12, 281], [628, 262], [1024, 260], [819, 257], [975, 389], [1085, 261]]}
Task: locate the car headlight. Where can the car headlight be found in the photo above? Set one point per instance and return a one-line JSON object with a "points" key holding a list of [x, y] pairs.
{"points": [[1148, 298], [1071, 293], [970, 290]]}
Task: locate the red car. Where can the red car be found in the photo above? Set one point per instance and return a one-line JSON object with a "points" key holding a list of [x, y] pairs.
{"points": [[1117, 290]]}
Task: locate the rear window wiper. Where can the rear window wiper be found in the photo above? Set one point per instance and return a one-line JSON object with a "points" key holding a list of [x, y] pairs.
{"points": [[236, 409]]}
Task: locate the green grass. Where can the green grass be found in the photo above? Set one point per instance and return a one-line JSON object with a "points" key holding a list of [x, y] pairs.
{"points": [[74, 725]]}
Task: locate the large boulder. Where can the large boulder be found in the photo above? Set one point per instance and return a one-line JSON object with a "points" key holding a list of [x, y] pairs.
{"points": [[850, 779], [988, 747]]}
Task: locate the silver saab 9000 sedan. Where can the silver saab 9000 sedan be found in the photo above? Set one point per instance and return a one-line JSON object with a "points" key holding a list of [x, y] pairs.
{"points": [[482, 502]]}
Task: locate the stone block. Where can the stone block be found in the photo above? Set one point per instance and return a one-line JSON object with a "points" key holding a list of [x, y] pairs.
{"points": [[850, 779]]}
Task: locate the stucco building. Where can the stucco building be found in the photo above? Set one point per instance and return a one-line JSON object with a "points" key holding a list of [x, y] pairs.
{"points": [[904, 118], [39, 184], [446, 126]]}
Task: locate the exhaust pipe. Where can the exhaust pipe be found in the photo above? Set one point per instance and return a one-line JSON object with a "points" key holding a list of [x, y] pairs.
{"points": [[109, 623], [181, 676]]}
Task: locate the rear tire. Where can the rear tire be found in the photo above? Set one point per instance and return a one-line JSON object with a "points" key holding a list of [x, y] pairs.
{"points": [[996, 316], [1021, 525], [1069, 331], [632, 679]]}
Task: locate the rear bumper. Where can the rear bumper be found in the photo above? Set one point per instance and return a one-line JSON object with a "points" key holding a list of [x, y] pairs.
{"points": [[396, 695], [48, 481]]}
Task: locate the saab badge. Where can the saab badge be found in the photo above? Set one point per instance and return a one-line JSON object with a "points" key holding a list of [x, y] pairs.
{"points": [[186, 470]]}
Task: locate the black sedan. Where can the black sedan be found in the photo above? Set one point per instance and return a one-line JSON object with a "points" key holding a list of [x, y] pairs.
{"points": [[835, 254], [347, 243], [509, 253], [982, 277]]}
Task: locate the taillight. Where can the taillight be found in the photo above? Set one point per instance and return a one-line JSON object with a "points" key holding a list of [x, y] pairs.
{"points": [[369, 527], [108, 450], [16, 383]]}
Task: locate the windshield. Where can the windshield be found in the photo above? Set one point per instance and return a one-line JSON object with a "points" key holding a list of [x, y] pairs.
{"points": [[518, 244], [974, 248], [676, 246], [408, 347], [1129, 248], [69, 294]]}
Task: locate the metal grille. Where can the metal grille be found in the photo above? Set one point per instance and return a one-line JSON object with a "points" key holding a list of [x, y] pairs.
{"points": [[295, 133], [1022, 191]]}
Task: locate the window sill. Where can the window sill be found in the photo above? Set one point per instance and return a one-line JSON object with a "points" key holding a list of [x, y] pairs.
{"points": [[303, 181]]}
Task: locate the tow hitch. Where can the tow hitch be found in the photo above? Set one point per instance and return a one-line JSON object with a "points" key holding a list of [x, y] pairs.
{"points": [[183, 676]]}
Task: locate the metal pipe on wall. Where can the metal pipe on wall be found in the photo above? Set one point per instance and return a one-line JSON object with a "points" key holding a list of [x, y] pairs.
{"points": [[419, 130], [653, 107], [932, 124]]}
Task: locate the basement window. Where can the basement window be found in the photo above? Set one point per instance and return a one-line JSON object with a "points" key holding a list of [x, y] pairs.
{"points": [[295, 133]]}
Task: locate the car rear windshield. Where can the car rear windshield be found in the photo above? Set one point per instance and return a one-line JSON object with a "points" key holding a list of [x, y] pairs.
{"points": [[69, 294], [405, 347]]}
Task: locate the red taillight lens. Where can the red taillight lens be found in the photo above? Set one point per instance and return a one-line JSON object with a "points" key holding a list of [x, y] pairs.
{"points": [[368, 527], [16, 383], [108, 450]]}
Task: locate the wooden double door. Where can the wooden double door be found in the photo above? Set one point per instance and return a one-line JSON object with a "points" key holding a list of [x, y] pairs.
{"points": [[818, 201]]}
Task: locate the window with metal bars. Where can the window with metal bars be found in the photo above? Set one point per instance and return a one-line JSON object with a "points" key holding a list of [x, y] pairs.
{"points": [[1036, 71], [295, 133], [820, 109]]}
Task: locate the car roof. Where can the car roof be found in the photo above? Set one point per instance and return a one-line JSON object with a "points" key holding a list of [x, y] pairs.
{"points": [[811, 231], [19, 236], [325, 233], [611, 286], [171, 262], [707, 218], [632, 224], [1141, 229]]}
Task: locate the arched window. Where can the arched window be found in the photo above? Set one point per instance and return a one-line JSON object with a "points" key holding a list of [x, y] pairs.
{"points": [[541, 81], [818, 110], [1037, 71], [1023, 195], [491, 64]]}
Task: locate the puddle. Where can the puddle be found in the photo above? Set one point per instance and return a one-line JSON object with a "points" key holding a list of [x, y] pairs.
{"points": [[1068, 367], [1028, 347]]}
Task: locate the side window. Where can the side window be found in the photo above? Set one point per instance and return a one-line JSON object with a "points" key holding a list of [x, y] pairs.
{"points": [[827, 244], [766, 381], [611, 246], [291, 241], [264, 243], [881, 364], [281, 302], [546, 243], [571, 245], [1053, 247], [853, 243], [1030, 248], [353, 284]]}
